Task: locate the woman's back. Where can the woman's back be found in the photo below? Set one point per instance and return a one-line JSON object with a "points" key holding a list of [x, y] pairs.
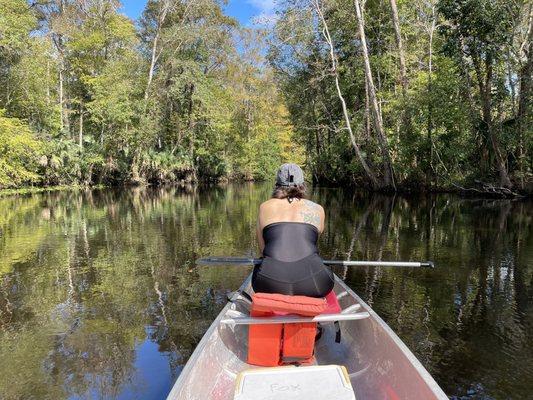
{"points": [[295, 211], [288, 230], [290, 241]]}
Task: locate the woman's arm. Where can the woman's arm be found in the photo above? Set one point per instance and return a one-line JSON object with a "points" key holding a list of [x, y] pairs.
{"points": [[259, 231], [322, 219]]}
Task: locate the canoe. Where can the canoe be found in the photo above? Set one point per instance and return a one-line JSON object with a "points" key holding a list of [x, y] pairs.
{"points": [[379, 364]]}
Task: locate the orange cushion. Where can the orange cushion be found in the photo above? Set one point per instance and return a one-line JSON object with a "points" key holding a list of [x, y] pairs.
{"points": [[280, 303], [264, 342], [333, 304], [298, 344]]}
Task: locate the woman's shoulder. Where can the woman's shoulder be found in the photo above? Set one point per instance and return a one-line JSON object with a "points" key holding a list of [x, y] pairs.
{"points": [[276, 210], [268, 203], [311, 204], [269, 209], [303, 202], [312, 213], [312, 207]]}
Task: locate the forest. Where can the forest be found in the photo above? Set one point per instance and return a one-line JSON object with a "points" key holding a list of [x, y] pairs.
{"points": [[382, 94]]}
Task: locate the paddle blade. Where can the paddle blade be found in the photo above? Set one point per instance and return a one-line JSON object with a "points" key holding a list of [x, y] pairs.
{"points": [[228, 261]]}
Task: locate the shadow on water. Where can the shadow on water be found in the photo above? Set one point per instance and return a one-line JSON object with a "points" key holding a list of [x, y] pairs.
{"points": [[100, 298]]}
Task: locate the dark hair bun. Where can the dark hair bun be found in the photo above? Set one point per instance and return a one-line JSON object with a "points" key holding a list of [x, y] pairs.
{"points": [[289, 192]]}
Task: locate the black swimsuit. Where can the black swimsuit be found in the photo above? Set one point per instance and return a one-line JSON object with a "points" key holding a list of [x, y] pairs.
{"points": [[291, 263]]}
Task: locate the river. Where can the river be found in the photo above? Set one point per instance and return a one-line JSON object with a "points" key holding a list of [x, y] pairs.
{"points": [[100, 297]]}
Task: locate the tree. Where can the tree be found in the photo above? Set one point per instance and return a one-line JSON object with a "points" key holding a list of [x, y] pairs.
{"points": [[425, 94], [334, 70], [399, 44], [525, 100], [477, 33], [153, 22], [388, 172], [34, 82], [19, 153]]}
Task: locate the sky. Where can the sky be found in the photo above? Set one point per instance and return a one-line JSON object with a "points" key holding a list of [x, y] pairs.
{"points": [[246, 11]]}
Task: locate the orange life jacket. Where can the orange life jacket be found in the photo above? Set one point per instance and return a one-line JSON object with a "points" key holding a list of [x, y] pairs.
{"points": [[278, 344]]}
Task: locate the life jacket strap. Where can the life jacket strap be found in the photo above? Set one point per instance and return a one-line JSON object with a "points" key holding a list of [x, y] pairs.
{"points": [[337, 332]]}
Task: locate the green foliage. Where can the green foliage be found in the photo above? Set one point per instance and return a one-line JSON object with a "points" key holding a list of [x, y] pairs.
{"points": [[115, 105], [34, 81], [87, 84], [67, 165], [164, 167], [186, 94], [478, 26], [19, 153], [16, 20], [458, 120]]}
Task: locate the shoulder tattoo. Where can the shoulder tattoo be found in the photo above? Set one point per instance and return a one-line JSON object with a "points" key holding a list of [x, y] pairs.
{"points": [[310, 213]]}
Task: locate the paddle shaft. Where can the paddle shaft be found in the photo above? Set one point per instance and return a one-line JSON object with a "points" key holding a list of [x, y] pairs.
{"points": [[257, 261]]}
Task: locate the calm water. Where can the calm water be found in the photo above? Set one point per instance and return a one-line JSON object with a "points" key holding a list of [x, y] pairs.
{"points": [[100, 298]]}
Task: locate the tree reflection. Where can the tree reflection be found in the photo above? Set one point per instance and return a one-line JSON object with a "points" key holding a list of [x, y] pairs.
{"points": [[462, 319], [87, 277]]}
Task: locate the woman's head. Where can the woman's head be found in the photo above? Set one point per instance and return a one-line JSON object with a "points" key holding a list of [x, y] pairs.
{"points": [[290, 182]]}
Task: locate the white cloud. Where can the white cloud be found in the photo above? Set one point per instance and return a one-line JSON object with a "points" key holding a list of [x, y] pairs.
{"points": [[264, 6], [266, 15]]}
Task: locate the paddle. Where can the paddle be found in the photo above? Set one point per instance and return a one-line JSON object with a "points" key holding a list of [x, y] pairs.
{"points": [[257, 261]]}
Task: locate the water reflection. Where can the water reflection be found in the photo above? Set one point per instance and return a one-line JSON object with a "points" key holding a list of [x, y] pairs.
{"points": [[100, 298]]}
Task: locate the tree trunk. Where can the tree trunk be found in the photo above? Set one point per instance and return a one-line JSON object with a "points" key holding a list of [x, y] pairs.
{"points": [[388, 173], [47, 82], [64, 119], [191, 129], [80, 131], [153, 59], [524, 102], [370, 174], [135, 175], [430, 90], [485, 88], [367, 120], [399, 44], [511, 82], [58, 42], [152, 66]]}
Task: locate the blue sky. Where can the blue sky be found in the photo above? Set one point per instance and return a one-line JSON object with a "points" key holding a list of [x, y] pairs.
{"points": [[246, 11]]}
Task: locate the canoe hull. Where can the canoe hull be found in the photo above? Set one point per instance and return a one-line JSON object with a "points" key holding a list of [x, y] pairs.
{"points": [[379, 364]]}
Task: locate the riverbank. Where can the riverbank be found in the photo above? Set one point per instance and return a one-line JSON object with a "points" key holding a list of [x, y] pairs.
{"points": [[481, 191], [46, 189]]}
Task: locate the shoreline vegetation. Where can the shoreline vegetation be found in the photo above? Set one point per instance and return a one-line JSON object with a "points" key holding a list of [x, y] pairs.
{"points": [[386, 95], [46, 189], [33, 190], [483, 193]]}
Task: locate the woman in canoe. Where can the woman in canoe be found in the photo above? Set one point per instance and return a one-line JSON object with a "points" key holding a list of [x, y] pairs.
{"points": [[288, 227]]}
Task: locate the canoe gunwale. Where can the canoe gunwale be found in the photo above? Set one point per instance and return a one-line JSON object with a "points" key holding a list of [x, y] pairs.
{"points": [[200, 346], [415, 362]]}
